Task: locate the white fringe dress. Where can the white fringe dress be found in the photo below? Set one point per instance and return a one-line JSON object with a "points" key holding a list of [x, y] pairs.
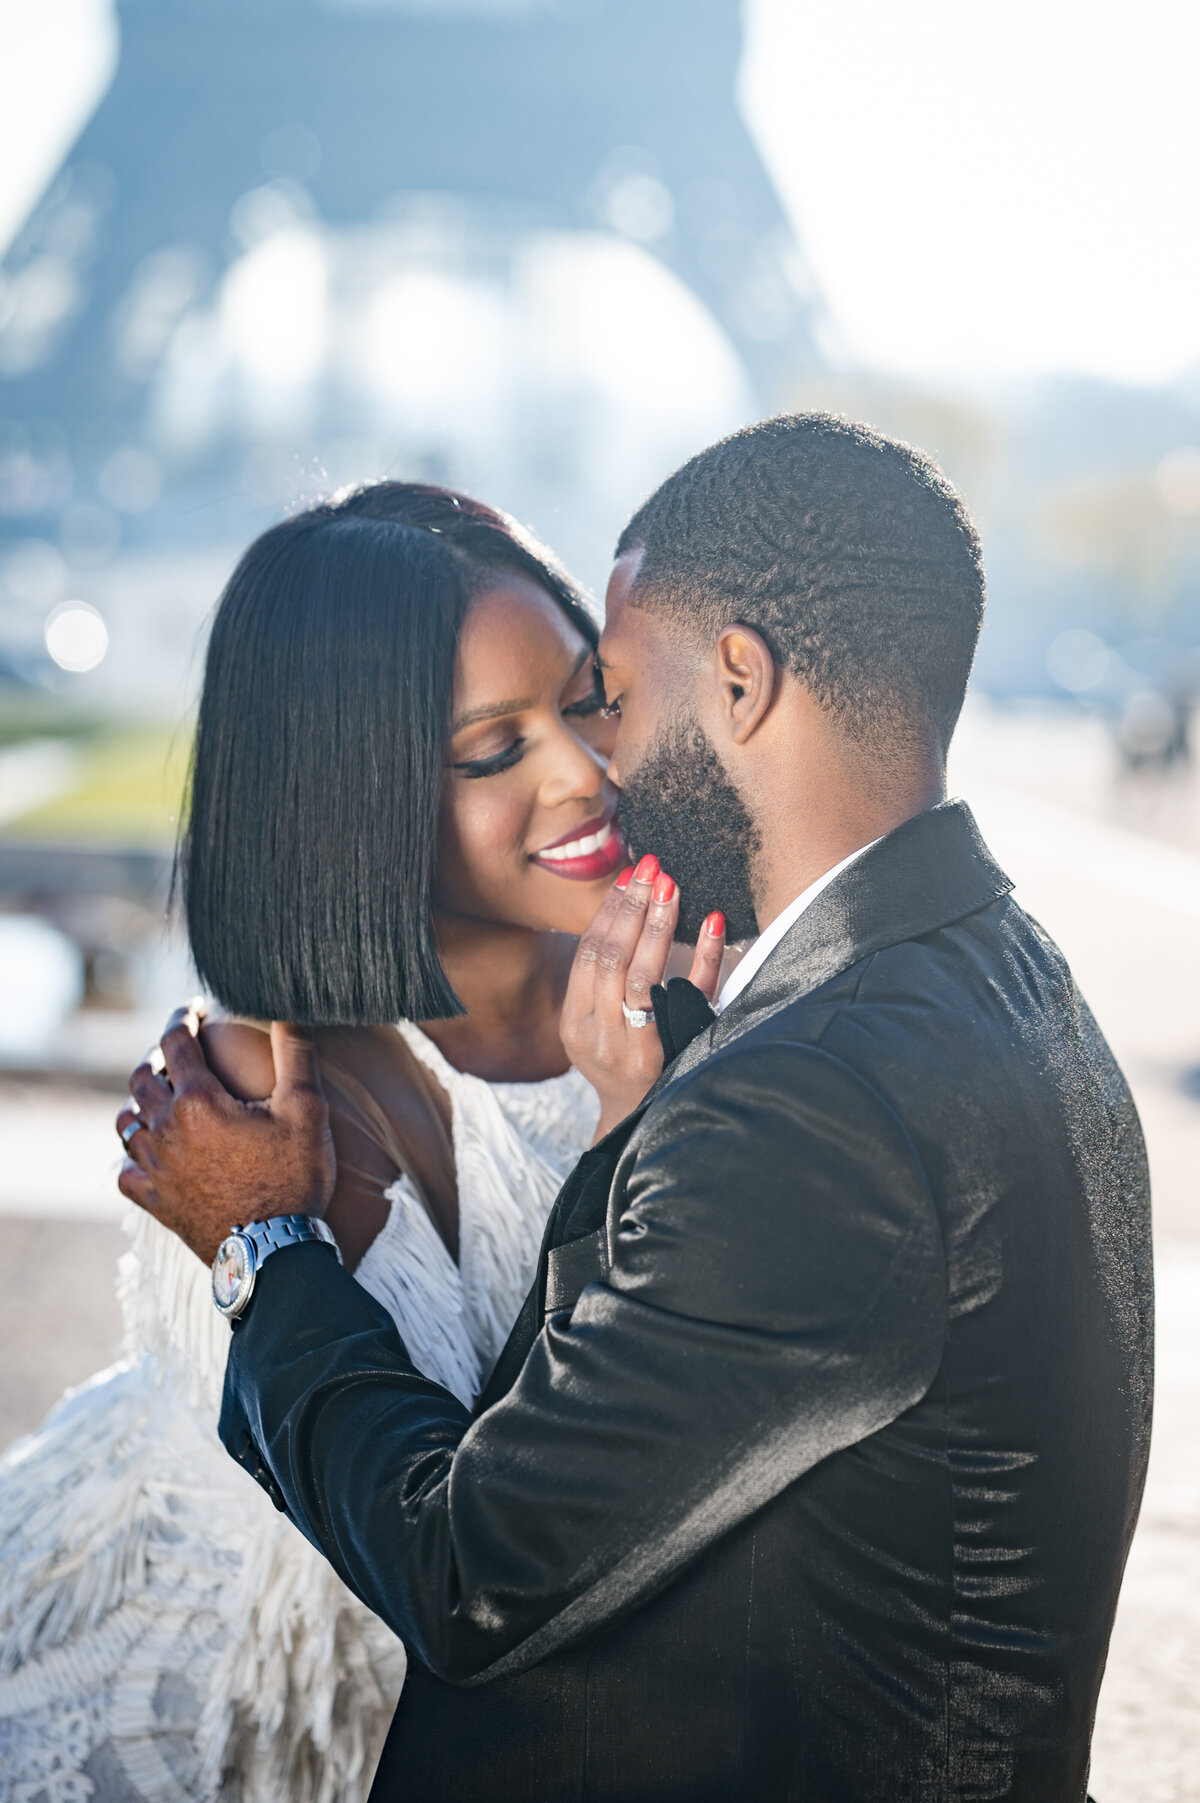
{"points": [[165, 1634]]}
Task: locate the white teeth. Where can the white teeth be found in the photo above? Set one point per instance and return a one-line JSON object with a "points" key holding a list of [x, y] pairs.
{"points": [[578, 848]]}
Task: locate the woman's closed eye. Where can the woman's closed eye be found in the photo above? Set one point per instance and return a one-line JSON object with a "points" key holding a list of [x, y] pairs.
{"points": [[588, 706], [493, 765]]}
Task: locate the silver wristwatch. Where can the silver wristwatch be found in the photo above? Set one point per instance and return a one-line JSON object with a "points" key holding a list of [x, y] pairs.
{"points": [[239, 1257]]}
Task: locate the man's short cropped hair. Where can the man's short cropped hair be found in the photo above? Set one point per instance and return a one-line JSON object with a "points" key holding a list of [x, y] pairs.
{"points": [[850, 554]]}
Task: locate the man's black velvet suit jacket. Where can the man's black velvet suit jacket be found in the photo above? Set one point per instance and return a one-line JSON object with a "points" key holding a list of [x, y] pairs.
{"points": [[810, 1469]]}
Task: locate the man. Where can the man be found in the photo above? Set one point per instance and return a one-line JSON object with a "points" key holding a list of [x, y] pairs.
{"points": [[811, 1466]]}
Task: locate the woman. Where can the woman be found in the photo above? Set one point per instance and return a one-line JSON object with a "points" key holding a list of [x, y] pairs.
{"points": [[399, 813]]}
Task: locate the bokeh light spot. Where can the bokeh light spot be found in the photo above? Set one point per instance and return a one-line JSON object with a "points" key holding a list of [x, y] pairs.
{"points": [[640, 207], [1078, 660], [76, 637], [1178, 479]]}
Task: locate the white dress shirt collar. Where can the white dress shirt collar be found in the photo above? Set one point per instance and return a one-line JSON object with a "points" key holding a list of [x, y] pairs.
{"points": [[753, 960]]}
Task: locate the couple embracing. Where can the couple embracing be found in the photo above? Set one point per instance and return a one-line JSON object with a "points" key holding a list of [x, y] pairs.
{"points": [[732, 1385]]}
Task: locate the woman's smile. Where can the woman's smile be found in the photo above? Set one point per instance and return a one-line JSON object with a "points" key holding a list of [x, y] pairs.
{"points": [[587, 853], [526, 790]]}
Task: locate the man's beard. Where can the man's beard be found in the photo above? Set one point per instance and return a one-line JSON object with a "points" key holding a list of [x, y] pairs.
{"points": [[680, 805]]}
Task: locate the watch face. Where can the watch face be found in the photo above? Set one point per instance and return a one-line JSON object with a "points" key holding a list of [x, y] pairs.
{"points": [[232, 1274]]}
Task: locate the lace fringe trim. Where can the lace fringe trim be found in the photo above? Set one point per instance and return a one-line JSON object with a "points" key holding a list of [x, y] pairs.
{"points": [[408, 1269], [114, 1555], [166, 1307], [505, 1192]]}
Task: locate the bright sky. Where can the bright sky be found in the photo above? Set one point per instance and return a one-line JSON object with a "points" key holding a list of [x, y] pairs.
{"points": [[985, 188], [991, 187]]}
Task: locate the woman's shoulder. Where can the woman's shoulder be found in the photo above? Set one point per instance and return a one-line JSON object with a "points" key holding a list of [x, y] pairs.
{"points": [[239, 1054]]}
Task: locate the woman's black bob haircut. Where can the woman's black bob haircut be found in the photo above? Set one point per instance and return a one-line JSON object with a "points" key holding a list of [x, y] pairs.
{"points": [[307, 857]]}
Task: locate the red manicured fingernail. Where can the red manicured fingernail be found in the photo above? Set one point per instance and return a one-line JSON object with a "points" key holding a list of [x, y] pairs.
{"points": [[715, 924], [626, 877], [647, 870], [664, 888]]}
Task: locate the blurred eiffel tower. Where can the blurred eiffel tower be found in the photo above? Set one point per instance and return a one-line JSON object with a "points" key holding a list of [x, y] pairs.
{"points": [[537, 114]]}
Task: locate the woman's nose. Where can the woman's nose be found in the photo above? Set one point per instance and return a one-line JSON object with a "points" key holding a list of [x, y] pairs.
{"points": [[578, 770]]}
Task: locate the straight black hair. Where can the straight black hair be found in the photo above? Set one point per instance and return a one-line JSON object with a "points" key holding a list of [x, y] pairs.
{"points": [[307, 858]]}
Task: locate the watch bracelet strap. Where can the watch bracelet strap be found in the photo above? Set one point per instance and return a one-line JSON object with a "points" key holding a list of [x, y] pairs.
{"points": [[286, 1230]]}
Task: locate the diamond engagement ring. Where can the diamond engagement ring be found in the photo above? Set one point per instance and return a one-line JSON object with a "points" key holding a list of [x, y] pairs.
{"points": [[637, 1017]]}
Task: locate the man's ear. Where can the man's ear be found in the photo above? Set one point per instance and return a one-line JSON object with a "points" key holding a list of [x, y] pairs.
{"points": [[747, 680]]}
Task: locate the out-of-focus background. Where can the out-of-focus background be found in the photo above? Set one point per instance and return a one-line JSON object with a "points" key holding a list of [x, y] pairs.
{"points": [[544, 249]]}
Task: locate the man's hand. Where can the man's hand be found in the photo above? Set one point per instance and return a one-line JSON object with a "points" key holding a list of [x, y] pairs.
{"points": [[202, 1162]]}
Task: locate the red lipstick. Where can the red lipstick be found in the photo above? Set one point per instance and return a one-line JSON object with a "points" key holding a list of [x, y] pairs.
{"points": [[587, 854]]}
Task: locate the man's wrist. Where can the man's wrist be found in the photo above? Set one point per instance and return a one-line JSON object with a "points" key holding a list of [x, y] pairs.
{"points": [[243, 1252]]}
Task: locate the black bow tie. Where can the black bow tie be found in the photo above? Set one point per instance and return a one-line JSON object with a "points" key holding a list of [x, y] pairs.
{"points": [[680, 1013]]}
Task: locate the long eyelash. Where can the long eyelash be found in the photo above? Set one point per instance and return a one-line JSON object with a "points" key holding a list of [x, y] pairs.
{"points": [[503, 760]]}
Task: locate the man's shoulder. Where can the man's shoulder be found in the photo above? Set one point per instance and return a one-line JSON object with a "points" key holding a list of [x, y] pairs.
{"points": [[997, 954], [952, 1001]]}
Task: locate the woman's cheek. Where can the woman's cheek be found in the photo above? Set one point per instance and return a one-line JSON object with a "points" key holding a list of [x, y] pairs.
{"points": [[487, 836]]}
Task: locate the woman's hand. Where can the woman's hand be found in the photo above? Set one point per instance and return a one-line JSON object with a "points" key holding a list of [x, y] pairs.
{"points": [[621, 956]]}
